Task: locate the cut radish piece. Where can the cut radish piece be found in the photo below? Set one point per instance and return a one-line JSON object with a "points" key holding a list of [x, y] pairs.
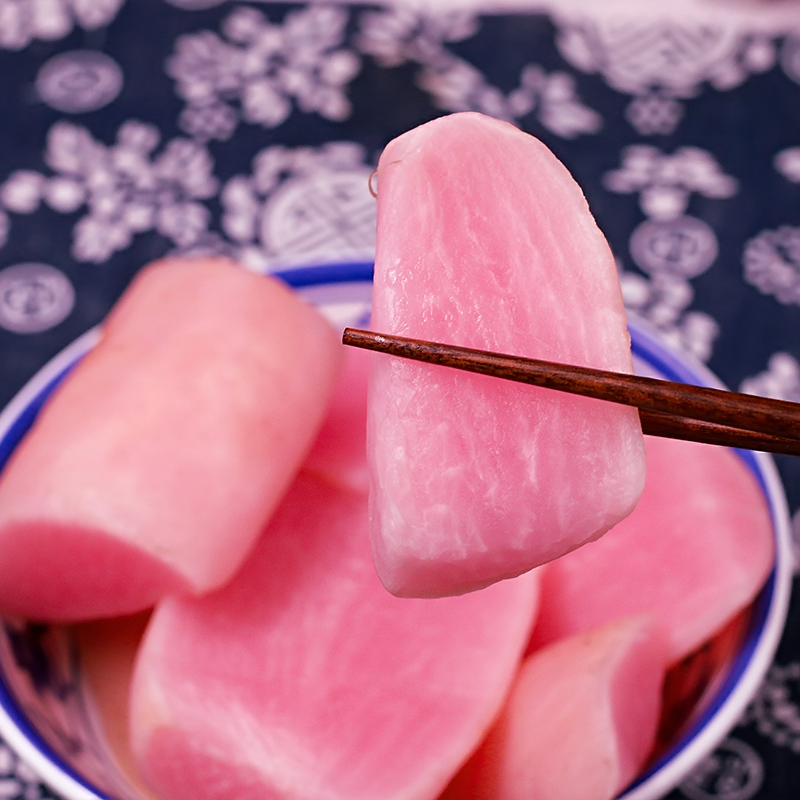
{"points": [[579, 723], [156, 463], [486, 241], [695, 551], [303, 679]]}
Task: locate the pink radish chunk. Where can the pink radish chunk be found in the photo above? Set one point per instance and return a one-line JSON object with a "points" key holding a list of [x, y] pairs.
{"points": [[155, 465], [486, 241], [579, 722], [303, 679], [339, 452], [695, 551]]}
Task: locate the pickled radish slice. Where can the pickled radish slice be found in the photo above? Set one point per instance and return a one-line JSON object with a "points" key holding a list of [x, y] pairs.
{"points": [[579, 722], [156, 463], [303, 678], [696, 550], [486, 241]]}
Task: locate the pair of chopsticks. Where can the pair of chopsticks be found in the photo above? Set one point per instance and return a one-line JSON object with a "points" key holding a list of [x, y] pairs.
{"points": [[666, 408]]}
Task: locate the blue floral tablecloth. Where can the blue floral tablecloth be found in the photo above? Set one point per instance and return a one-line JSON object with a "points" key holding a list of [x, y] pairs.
{"points": [[130, 129]]}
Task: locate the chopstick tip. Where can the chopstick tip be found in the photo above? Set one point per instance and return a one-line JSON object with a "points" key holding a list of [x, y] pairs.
{"points": [[355, 337]]}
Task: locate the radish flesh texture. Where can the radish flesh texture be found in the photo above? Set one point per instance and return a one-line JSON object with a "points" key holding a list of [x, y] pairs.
{"points": [[339, 451], [486, 241], [303, 679], [696, 550], [579, 722], [154, 466]]}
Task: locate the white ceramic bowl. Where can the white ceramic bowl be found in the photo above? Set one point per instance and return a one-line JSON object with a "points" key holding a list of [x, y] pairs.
{"points": [[47, 715]]}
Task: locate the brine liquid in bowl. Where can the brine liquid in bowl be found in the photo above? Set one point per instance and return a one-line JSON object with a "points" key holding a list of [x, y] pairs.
{"points": [[53, 717]]}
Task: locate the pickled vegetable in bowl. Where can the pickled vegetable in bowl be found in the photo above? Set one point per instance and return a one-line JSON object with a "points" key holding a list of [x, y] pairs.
{"points": [[52, 708]]}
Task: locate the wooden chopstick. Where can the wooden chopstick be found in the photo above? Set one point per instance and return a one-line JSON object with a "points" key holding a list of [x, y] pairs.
{"points": [[673, 426], [666, 408]]}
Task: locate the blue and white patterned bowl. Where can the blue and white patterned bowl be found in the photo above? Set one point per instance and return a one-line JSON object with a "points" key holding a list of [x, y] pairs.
{"points": [[46, 711]]}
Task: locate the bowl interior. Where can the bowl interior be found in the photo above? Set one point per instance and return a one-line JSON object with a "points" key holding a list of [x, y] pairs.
{"points": [[47, 713]]}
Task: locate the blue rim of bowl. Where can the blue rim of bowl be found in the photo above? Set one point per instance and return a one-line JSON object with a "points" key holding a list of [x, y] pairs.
{"points": [[729, 701]]}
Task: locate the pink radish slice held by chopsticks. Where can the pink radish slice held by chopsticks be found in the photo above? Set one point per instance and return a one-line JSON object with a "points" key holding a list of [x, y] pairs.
{"points": [[486, 241]]}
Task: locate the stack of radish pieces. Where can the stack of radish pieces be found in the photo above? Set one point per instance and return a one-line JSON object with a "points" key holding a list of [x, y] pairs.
{"points": [[443, 587]]}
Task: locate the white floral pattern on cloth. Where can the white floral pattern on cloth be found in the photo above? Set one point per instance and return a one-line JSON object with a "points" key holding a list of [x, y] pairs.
{"points": [[301, 204], [257, 71], [772, 263], [23, 21], [126, 187], [772, 258], [790, 57], [402, 35], [661, 63], [666, 182], [734, 771], [671, 246], [780, 380], [775, 711], [787, 163], [18, 780], [34, 297], [79, 81]]}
